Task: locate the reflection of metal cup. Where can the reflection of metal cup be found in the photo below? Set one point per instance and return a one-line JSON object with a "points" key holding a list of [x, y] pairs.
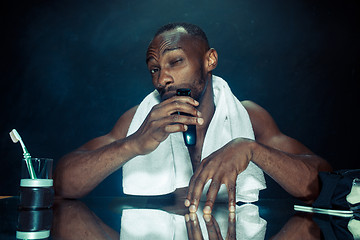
{"points": [[34, 224], [36, 192], [36, 197]]}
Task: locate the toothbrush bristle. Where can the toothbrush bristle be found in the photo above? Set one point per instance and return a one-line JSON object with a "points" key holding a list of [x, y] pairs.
{"points": [[13, 136]]}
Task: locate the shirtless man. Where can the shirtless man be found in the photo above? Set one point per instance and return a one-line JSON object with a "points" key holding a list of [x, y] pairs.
{"points": [[179, 56]]}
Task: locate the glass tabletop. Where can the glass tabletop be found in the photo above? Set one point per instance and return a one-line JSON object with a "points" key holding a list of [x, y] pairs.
{"points": [[165, 218]]}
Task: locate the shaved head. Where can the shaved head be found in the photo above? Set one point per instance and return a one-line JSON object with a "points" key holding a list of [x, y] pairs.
{"points": [[191, 29]]}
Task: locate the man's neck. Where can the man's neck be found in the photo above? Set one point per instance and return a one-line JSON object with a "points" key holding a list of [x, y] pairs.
{"points": [[207, 105], [207, 109]]}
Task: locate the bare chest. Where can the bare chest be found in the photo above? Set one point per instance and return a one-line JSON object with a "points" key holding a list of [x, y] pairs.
{"points": [[195, 154]]}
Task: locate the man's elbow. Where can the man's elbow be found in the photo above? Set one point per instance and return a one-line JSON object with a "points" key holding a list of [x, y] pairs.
{"points": [[65, 188], [308, 193]]}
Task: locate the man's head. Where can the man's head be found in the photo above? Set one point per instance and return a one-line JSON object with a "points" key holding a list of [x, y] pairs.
{"points": [[179, 57], [191, 29]]}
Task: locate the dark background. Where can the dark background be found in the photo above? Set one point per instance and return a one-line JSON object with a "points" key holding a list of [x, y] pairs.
{"points": [[69, 69]]}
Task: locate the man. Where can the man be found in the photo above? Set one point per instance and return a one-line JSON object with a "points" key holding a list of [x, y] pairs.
{"points": [[179, 56]]}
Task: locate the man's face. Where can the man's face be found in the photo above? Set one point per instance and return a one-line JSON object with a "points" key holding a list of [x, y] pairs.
{"points": [[175, 60]]}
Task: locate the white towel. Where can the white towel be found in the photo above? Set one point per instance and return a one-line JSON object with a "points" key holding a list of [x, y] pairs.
{"points": [[169, 166]]}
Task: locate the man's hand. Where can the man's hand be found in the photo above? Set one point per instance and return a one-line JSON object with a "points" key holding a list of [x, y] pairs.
{"points": [[163, 120], [222, 167]]}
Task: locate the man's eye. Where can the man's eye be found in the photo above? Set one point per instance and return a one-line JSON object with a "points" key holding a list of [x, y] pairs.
{"points": [[154, 70], [177, 61]]}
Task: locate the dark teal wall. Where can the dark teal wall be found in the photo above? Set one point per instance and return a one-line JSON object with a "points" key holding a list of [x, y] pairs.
{"points": [[69, 69]]}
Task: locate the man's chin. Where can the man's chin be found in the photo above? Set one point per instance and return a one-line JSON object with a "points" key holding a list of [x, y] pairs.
{"points": [[168, 95]]}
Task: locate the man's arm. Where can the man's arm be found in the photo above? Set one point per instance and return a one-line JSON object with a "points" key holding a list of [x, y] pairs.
{"points": [[286, 160], [82, 170]]}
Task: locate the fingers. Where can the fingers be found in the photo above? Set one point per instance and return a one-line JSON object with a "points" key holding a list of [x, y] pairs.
{"points": [[231, 187], [196, 186], [211, 195], [177, 123], [195, 190], [188, 200], [230, 182], [181, 104], [161, 121], [221, 167], [166, 115]]}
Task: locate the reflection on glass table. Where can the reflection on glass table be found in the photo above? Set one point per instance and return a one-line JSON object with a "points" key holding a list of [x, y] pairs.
{"points": [[167, 218], [158, 224], [142, 218]]}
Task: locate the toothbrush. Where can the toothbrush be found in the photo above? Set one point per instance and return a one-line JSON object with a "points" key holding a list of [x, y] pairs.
{"points": [[15, 137]]}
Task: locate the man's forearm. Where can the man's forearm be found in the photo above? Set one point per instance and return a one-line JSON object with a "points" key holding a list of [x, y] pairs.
{"points": [[80, 172], [297, 174]]}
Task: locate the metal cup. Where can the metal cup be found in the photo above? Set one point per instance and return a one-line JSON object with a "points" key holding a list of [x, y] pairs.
{"points": [[36, 185]]}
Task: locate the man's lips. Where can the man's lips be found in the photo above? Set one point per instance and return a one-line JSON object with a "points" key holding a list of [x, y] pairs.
{"points": [[170, 91], [167, 95]]}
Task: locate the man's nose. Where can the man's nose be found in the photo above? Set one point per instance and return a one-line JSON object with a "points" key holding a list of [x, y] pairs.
{"points": [[165, 78]]}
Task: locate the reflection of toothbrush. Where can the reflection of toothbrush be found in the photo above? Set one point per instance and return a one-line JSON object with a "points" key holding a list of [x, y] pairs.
{"points": [[15, 137]]}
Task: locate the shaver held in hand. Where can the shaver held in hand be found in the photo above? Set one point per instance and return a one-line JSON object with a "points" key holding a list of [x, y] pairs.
{"points": [[190, 134]]}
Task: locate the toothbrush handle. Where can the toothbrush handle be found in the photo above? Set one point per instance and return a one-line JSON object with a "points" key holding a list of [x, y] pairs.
{"points": [[30, 166]]}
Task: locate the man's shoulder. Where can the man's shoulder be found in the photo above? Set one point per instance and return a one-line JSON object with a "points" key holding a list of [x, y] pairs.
{"points": [[261, 120], [255, 111], [131, 112], [128, 116], [251, 106], [122, 125]]}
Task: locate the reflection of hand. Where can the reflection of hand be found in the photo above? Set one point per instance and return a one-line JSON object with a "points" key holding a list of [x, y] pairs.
{"points": [[212, 227], [193, 227], [222, 167], [161, 121]]}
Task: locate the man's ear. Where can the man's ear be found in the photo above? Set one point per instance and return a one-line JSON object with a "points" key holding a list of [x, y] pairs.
{"points": [[211, 60]]}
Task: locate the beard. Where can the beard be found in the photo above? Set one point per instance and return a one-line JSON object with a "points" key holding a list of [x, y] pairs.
{"points": [[197, 86]]}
